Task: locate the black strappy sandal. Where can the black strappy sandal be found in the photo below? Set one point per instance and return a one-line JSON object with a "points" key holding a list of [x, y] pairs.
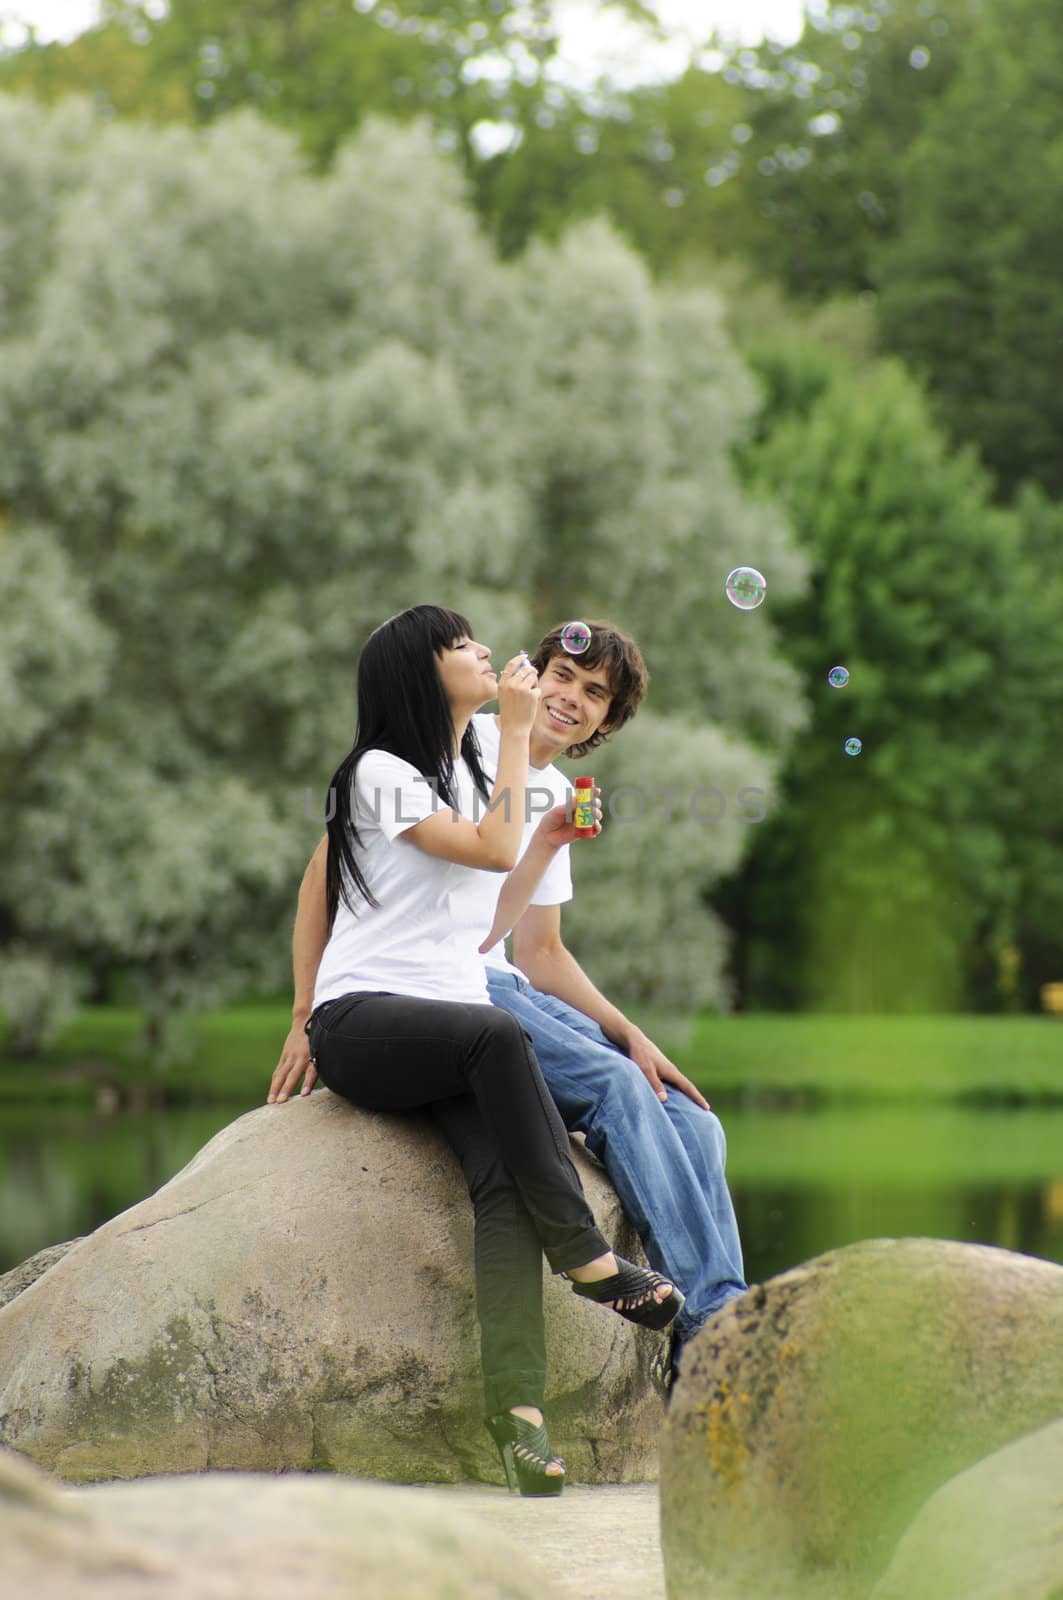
{"points": [[631, 1289], [526, 1454]]}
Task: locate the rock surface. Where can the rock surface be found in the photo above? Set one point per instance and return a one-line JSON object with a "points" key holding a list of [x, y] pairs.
{"points": [[301, 1296], [815, 1414], [995, 1532], [12, 1283], [225, 1536]]}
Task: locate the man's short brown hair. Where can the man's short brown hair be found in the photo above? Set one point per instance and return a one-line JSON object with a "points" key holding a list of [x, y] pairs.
{"points": [[621, 658]]}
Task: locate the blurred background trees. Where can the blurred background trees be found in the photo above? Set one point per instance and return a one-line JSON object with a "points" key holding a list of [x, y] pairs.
{"points": [[247, 413], [274, 367]]}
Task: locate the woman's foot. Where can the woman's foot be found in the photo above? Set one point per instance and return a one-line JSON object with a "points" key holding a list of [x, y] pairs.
{"points": [[606, 1267], [532, 1414], [641, 1296], [527, 1459]]}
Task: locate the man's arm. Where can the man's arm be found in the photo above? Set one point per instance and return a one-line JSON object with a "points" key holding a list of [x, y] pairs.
{"points": [[557, 828], [308, 944], [540, 953]]}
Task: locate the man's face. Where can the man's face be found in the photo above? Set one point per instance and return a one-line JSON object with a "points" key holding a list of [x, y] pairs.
{"points": [[574, 703]]}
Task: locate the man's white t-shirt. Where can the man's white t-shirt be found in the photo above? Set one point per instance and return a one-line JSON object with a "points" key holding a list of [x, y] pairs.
{"points": [[423, 937], [547, 788]]}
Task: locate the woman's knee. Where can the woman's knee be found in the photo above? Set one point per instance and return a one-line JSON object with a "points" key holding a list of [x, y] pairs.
{"points": [[504, 1035]]}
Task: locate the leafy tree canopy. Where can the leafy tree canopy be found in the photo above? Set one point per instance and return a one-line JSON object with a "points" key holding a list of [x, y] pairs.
{"points": [[970, 288], [891, 880], [245, 413]]}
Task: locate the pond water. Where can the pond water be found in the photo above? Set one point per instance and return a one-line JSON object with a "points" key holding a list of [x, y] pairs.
{"points": [[804, 1180]]}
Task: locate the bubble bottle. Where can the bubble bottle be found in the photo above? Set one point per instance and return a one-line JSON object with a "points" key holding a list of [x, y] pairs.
{"points": [[583, 808]]}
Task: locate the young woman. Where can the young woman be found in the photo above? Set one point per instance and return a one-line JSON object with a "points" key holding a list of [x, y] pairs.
{"points": [[402, 1018]]}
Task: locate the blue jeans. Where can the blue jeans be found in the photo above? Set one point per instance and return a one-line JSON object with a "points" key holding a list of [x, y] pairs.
{"points": [[665, 1159]]}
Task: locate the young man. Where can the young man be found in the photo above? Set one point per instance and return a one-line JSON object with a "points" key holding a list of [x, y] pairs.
{"points": [[664, 1152]]}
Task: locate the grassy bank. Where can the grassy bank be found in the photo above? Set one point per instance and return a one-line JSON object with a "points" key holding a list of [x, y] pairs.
{"points": [[229, 1056], [938, 1057], [226, 1055]]}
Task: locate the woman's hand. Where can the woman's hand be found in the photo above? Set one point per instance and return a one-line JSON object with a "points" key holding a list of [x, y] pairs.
{"points": [[518, 695], [295, 1063], [558, 826]]}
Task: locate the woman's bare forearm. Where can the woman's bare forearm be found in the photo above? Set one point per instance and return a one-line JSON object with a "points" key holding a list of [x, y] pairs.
{"points": [[311, 932]]}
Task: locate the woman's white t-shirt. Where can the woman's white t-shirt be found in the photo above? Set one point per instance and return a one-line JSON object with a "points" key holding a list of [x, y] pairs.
{"points": [[423, 937]]}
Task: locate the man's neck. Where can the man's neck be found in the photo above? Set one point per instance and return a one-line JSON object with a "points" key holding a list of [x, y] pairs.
{"points": [[540, 754]]}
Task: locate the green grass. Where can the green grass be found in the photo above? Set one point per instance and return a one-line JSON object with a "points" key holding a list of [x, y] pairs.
{"points": [[225, 1055], [938, 1057], [229, 1056], [892, 1146]]}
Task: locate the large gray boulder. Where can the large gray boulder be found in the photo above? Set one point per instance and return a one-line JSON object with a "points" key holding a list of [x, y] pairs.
{"points": [[225, 1536], [19, 1278], [301, 1296], [995, 1532], [816, 1413]]}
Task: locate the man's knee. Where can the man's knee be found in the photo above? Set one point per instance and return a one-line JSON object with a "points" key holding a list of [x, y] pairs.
{"points": [[705, 1125]]}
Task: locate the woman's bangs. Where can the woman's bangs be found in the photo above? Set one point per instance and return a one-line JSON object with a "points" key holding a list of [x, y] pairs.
{"points": [[447, 627]]}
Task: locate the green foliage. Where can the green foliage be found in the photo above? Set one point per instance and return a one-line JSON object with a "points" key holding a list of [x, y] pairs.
{"points": [[682, 802], [888, 881], [810, 175], [970, 289], [786, 156], [245, 413], [318, 67]]}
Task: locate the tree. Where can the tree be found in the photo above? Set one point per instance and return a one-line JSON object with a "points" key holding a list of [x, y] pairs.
{"points": [[245, 412], [891, 880], [317, 67], [784, 155], [970, 290]]}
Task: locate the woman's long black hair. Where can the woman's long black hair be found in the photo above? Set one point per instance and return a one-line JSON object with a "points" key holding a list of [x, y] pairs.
{"points": [[402, 709]]}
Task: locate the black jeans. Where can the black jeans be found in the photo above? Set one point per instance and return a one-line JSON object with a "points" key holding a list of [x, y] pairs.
{"points": [[473, 1070]]}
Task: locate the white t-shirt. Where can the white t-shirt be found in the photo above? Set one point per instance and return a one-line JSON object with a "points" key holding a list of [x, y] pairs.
{"points": [[547, 788], [423, 937]]}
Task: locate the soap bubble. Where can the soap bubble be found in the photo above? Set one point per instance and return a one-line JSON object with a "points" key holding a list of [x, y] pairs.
{"points": [[838, 677], [745, 588], [575, 638], [853, 747]]}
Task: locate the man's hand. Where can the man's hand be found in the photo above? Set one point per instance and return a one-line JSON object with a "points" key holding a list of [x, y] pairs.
{"points": [[659, 1070], [558, 826], [295, 1063]]}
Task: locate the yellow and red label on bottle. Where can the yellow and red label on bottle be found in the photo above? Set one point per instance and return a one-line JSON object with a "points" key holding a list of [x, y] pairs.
{"points": [[583, 807]]}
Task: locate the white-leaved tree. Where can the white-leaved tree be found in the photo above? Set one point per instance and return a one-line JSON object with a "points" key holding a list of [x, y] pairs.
{"points": [[246, 413]]}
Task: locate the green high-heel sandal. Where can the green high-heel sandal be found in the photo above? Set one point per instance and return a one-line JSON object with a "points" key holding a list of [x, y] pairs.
{"points": [[526, 1454], [632, 1292]]}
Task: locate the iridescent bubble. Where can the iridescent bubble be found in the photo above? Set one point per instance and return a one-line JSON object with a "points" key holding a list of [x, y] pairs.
{"points": [[745, 588], [838, 677], [575, 638], [853, 747]]}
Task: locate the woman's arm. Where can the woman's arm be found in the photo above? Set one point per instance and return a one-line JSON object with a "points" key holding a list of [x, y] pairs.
{"points": [[308, 944], [493, 843]]}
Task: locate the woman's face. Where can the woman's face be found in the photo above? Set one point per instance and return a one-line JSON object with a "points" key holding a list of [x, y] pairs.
{"points": [[466, 676]]}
